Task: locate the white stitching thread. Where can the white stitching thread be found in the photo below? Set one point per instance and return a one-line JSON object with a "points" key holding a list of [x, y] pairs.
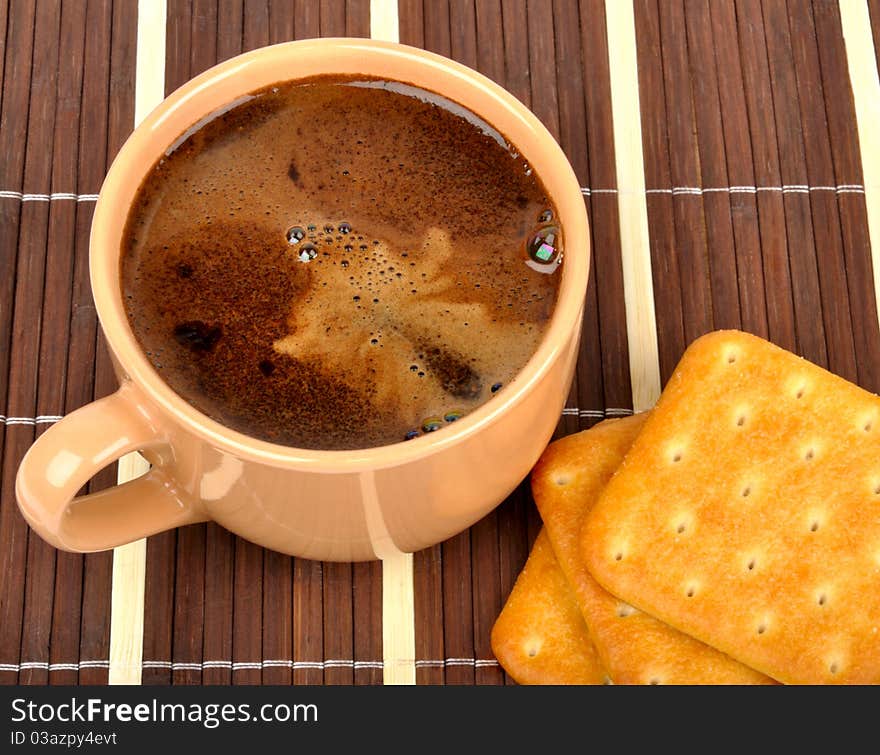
{"points": [[42, 419], [569, 411], [26, 665], [698, 190], [248, 665], [53, 197]]}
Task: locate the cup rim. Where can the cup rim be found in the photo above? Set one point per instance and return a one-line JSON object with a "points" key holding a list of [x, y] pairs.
{"points": [[344, 55]]}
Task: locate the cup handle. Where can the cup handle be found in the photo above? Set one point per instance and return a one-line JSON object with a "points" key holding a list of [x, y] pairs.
{"points": [[72, 451]]}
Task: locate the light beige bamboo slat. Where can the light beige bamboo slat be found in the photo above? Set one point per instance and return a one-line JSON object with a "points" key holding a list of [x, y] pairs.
{"points": [[398, 599], [635, 249], [384, 22], [129, 561], [855, 22]]}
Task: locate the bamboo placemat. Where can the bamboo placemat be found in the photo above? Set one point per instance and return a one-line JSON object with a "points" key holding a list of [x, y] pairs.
{"points": [[728, 158]]}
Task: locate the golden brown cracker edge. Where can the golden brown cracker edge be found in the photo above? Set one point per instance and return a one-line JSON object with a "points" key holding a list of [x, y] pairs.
{"points": [[634, 647], [746, 513], [540, 636]]}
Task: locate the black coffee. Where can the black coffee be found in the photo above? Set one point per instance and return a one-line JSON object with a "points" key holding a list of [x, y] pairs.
{"points": [[339, 264]]}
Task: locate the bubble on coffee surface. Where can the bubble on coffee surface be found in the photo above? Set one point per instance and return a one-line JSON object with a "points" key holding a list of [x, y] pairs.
{"points": [[406, 310], [544, 249], [307, 253], [432, 424], [295, 235]]}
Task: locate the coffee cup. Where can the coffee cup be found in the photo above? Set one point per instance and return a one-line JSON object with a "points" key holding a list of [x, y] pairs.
{"points": [[335, 505]]}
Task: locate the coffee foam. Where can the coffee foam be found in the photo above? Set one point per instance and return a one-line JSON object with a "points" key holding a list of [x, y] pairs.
{"points": [[403, 297]]}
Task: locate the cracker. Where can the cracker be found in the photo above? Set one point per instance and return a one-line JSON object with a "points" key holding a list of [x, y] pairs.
{"points": [[634, 647], [540, 636], [747, 513]]}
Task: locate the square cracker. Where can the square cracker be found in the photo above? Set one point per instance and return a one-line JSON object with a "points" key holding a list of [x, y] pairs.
{"points": [[540, 636], [634, 647], [747, 513]]}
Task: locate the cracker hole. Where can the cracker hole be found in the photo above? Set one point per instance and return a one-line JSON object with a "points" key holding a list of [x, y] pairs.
{"points": [[821, 599], [618, 556], [654, 681], [809, 454], [676, 457], [731, 357], [814, 525], [833, 668], [867, 427], [624, 610], [751, 565], [877, 489], [741, 420], [761, 628], [746, 491], [563, 480], [681, 528], [532, 650], [800, 392], [691, 591]]}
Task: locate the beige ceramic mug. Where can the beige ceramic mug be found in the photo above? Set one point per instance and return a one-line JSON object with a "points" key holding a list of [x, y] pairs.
{"points": [[329, 505]]}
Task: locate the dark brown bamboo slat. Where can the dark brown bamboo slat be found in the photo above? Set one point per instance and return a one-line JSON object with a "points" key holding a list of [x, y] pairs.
{"points": [[24, 364], [4, 17], [160, 637], [586, 390], [66, 598], [277, 640], [308, 618], [827, 232], [713, 165], [81, 378], [606, 275], [771, 211], [740, 170], [203, 48], [247, 611], [840, 111], [427, 563], [357, 18], [13, 135], [411, 22], [661, 228], [466, 38], [367, 609], [684, 169], [217, 644], [544, 100], [306, 19], [798, 224], [455, 577], [256, 24], [280, 21], [194, 52], [518, 528], [120, 121], [230, 22], [332, 14], [338, 623], [428, 610]]}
